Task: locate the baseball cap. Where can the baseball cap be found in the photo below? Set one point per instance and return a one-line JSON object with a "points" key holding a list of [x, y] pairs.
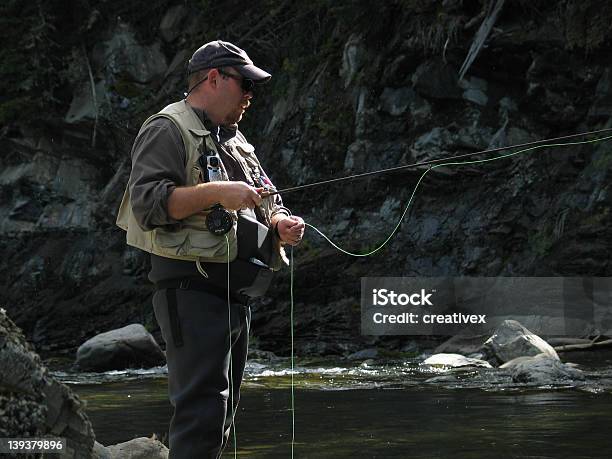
{"points": [[225, 54]]}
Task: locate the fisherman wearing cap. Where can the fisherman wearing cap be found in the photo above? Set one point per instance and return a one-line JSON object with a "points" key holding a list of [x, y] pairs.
{"points": [[194, 178]]}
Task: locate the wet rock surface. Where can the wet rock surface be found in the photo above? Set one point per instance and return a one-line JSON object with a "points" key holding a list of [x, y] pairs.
{"points": [[541, 369]]}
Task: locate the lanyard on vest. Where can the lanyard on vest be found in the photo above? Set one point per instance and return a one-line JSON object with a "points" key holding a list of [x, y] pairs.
{"points": [[219, 220]]}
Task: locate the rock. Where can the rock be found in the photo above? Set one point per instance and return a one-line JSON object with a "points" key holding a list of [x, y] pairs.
{"points": [[123, 57], [511, 340], [398, 71], [139, 448], [38, 168], [177, 64], [500, 138], [541, 369], [357, 155], [364, 354], [454, 361], [601, 110], [353, 59], [474, 90], [410, 347], [440, 142], [83, 105], [169, 27], [566, 340], [390, 210], [506, 107], [128, 347], [100, 452], [34, 404], [282, 107], [364, 115], [463, 343], [436, 80], [396, 101], [261, 355], [432, 144], [321, 348]]}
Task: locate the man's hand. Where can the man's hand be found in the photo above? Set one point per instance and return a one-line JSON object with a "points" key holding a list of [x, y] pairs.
{"points": [[238, 195], [291, 229]]}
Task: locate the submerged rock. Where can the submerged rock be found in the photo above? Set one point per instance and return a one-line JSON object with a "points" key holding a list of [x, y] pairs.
{"points": [[541, 369], [129, 347], [34, 404], [454, 361], [512, 340]]}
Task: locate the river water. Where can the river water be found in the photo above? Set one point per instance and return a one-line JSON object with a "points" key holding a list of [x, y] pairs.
{"points": [[375, 410]]}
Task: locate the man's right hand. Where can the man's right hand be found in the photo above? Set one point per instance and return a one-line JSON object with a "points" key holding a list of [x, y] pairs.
{"points": [[238, 195], [186, 201]]}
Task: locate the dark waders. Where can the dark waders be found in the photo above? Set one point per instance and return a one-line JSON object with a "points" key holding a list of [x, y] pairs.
{"points": [[195, 327]]}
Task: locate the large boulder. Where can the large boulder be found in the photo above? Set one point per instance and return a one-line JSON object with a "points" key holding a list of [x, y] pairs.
{"points": [[541, 369], [511, 340], [32, 403], [129, 347]]}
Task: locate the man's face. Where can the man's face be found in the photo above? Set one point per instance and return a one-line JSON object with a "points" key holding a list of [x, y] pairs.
{"points": [[233, 99]]}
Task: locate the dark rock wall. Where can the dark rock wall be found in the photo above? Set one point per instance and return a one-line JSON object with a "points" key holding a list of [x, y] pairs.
{"points": [[357, 86]]}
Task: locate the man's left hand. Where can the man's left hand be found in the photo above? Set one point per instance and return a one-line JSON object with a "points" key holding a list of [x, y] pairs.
{"points": [[291, 230]]}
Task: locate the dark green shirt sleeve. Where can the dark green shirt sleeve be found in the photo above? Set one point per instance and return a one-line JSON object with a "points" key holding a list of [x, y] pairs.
{"points": [[158, 167]]}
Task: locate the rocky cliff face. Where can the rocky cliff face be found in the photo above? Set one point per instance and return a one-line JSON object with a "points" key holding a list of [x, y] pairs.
{"points": [[356, 87]]}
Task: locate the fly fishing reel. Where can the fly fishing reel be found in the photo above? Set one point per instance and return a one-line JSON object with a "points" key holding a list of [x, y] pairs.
{"points": [[219, 220]]}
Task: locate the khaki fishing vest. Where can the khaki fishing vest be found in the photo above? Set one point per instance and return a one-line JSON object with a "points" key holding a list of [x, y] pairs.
{"points": [[193, 241]]}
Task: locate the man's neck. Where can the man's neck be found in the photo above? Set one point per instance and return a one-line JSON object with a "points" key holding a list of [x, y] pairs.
{"points": [[200, 107]]}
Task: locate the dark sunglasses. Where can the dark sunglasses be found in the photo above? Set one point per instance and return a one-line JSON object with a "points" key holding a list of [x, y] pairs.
{"points": [[246, 84]]}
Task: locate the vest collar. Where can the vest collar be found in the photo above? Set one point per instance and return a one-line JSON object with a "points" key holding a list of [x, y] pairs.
{"points": [[220, 133]]}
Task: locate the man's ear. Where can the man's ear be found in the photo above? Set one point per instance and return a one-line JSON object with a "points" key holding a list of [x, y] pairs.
{"points": [[213, 77]]}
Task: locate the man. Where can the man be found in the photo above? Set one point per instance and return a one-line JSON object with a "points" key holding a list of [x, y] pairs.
{"points": [[194, 179]]}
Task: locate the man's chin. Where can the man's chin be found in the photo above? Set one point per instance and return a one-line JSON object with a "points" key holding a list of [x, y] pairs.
{"points": [[233, 119]]}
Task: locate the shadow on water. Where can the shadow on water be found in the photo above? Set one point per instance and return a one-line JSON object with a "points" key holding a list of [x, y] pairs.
{"points": [[342, 413]]}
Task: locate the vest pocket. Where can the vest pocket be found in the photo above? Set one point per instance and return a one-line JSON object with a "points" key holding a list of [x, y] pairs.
{"points": [[194, 243], [204, 240], [169, 240]]}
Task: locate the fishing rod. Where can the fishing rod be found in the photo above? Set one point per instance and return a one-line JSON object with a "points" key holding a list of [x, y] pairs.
{"points": [[427, 163]]}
